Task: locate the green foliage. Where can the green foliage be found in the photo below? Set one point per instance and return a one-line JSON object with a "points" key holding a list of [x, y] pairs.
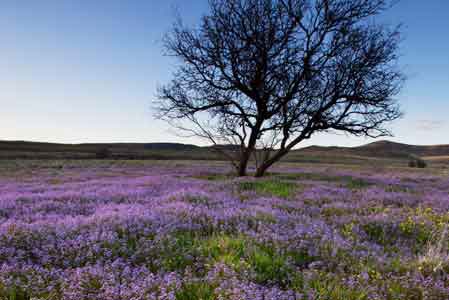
{"points": [[387, 235], [198, 200], [178, 251], [13, 293], [196, 291], [348, 181], [357, 183], [347, 230], [260, 218], [213, 177], [335, 211], [306, 176], [417, 163], [271, 187], [268, 265], [185, 248], [377, 232], [18, 293], [228, 250], [397, 291], [394, 188], [127, 244], [438, 220], [416, 230], [91, 285], [326, 287]]}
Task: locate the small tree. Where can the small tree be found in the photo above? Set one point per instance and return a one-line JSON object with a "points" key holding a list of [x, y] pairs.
{"points": [[266, 75], [421, 163], [412, 163], [417, 162], [103, 153]]}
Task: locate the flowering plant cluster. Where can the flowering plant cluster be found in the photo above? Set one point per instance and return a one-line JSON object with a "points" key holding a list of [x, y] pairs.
{"points": [[116, 230]]}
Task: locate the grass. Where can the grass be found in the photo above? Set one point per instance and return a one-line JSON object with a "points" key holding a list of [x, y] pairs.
{"points": [[238, 252], [279, 184], [196, 291], [345, 180], [198, 200], [386, 234], [271, 187], [325, 288], [306, 176], [214, 177], [13, 294], [357, 183]]}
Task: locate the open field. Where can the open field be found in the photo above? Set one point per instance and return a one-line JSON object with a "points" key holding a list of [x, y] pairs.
{"points": [[382, 153], [186, 230]]}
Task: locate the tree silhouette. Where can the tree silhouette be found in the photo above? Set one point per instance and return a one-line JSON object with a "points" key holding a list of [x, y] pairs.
{"points": [[266, 75]]}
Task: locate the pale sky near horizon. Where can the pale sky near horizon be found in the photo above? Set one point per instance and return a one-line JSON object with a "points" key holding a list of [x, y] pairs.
{"points": [[87, 71]]}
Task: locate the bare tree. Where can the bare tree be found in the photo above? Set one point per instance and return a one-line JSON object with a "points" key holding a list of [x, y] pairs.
{"points": [[268, 74]]}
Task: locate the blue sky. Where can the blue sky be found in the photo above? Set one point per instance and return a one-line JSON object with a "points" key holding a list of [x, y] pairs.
{"points": [[87, 71]]}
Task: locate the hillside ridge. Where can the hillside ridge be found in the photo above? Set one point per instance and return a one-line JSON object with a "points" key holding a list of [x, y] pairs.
{"points": [[381, 149]]}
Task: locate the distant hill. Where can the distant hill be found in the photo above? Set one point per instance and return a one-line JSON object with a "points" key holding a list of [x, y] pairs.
{"points": [[389, 148], [89, 147], [224, 147], [382, 150], [169, 146]]}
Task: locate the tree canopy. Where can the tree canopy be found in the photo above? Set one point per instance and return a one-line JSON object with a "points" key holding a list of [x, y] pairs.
{"points": [[266, 75]]}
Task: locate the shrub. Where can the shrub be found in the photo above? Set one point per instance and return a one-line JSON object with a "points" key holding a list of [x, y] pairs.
{"points": [[421, 163], [103, 153], [417, 163]]}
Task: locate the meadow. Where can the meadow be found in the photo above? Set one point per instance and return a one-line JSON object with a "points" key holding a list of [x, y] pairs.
{"points": [[189, 231]]}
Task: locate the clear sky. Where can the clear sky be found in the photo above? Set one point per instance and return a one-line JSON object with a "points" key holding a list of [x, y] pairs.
{"points": [[87, 71]]}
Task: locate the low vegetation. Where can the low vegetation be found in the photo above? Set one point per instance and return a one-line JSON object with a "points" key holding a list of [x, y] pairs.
{"points": [[132, 230], [417, 163]]}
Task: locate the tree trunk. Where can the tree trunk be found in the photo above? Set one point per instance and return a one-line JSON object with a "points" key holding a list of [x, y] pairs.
{"points": [[260, 172], [249, 149], [243, 165]]}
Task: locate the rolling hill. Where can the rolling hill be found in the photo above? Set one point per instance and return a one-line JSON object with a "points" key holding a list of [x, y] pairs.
{"points": [[385, 150]]}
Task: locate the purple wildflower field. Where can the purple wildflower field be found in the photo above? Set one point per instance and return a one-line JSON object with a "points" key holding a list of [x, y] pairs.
{"points": [[134, 230]]}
